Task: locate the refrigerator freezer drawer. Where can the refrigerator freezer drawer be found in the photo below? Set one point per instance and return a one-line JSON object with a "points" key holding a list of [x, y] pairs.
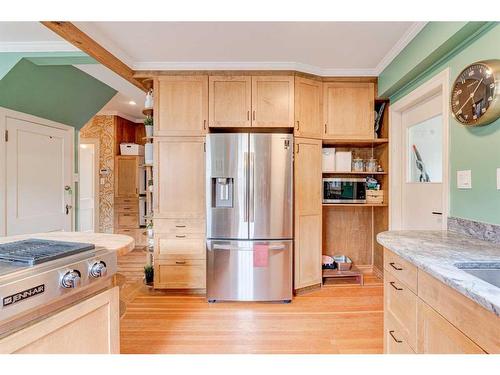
{"points": [[249, 270]]}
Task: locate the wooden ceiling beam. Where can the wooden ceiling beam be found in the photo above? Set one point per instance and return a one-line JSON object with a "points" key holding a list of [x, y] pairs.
{"points": [[82, 41]]}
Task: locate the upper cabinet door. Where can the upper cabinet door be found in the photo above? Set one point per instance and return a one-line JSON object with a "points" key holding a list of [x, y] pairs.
{"points": [[348, 110], [182, 105], [230, 101], [308, 111], [272, 101]]}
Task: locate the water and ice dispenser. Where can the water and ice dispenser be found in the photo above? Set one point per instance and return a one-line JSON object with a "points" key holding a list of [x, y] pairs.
{"points": [[222, 192]]}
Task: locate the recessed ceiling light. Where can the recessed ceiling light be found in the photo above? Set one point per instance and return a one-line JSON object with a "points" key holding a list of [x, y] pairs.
{"points": [[132, 102]]}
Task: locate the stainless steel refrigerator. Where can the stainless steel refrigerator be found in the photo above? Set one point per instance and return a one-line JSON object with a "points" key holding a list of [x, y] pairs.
{"points": [[249, 216]]}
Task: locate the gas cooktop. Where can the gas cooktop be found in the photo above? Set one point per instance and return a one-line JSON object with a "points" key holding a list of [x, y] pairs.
{"points": [[36, 251]]}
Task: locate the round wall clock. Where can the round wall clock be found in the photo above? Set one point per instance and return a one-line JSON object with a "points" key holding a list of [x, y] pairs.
{"points": [[475, 96]]}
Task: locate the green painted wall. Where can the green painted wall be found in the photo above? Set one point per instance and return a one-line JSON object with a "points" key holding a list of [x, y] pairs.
{"points": [[477, 149], [60, 93], [9, 59]]}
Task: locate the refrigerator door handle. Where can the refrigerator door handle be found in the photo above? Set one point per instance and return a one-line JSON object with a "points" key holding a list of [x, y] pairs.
{"points": [[251, 189], [227, 247], [246, 173], [277, 247]]}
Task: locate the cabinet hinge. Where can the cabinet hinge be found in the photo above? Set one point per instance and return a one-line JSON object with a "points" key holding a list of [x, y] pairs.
{"points": [[6, 136]]}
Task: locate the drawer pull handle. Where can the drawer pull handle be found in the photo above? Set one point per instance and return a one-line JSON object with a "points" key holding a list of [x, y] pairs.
{"points": [[180, 236], [394, 337], [180, 262], [393, 265], [180, 226], [394, 286]]}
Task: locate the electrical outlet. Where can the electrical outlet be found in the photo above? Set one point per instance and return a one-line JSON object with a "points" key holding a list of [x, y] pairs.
{"points": [[464, 179], [498, 178]]}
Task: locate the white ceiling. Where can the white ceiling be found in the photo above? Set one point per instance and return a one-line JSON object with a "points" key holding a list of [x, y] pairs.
{"points": [[325, 48]]}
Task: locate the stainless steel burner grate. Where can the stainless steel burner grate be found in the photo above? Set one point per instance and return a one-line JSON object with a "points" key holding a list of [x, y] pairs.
{"points": [[35, 251]]}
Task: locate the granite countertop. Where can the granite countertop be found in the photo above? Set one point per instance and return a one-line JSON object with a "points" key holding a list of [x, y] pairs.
{"points": [[119, 243], [437, 252]]}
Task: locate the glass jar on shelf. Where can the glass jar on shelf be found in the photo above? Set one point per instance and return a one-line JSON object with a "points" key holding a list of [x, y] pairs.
{"points": [[371, 165], [358, 165]]}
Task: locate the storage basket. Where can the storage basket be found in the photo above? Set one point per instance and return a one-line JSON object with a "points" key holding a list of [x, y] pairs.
{"points": [[375, 196], [131, 149]]}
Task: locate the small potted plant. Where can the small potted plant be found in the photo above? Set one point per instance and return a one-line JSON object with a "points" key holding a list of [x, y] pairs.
{"points": [[149, 274], [148, 124]]}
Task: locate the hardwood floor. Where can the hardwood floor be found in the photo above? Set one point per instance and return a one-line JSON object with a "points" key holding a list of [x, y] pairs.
{"points": [[342, 318]]}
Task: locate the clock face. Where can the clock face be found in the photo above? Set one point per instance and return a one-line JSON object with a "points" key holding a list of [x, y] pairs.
{"points": [[473, 94]]}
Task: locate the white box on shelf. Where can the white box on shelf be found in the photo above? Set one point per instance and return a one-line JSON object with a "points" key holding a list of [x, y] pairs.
{"points": [[343, 161], [131, 149], [329, 159]]}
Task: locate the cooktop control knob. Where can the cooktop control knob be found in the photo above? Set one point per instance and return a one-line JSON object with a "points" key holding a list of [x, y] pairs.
{"points": [[98, 269], [71, 279]]}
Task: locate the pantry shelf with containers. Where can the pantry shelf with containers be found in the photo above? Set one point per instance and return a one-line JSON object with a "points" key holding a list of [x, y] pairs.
{"points": [[355, 194]]}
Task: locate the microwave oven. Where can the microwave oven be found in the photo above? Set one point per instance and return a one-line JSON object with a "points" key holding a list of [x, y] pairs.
{"points": [[344, 190]]}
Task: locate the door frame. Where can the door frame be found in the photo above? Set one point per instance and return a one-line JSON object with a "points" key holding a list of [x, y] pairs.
{"points": [[96, 143], [439, 84], [6, 113]]}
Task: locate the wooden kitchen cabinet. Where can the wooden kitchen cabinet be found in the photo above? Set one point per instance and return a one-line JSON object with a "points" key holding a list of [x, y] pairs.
{"points": [[430, 317], [273, 101], [308, 108], [91, 326], [182, 105], [308, 212], [179, 177], [348, 110], [438, 336], [180, 274], [400, 305], [180, 246], [230, 101], [126, 176]]}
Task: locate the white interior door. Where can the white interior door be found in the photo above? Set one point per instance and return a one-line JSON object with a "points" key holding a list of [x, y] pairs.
{"points": [[423, 166], [38, 168], [88, 188]]}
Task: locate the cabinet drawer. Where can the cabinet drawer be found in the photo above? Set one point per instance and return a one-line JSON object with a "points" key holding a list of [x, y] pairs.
{"points": [[401, 303], [186, 276], [129, 201], [394, 340], [127, 207], [183, 246], [401, 269], [130, 220], [179, 226]]}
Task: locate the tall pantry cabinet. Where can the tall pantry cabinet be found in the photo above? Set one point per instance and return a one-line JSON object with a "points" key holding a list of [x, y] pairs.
{"points": [[181, 121], [307, 176]]}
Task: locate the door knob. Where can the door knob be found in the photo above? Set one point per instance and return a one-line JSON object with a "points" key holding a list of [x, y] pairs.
{"points": [[68, 207]]}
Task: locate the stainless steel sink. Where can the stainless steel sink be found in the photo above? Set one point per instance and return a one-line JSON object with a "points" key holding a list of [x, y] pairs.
{"points": [[486, 271]]}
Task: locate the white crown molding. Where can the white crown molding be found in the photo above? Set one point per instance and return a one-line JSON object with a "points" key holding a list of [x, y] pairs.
{"points": [[37, 46], [120, 114], [400, 45], [265, 65]]}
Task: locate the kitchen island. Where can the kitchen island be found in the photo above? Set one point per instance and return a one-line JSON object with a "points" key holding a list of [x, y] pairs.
{"points": [[65, 302], [119, 243], [434, 300]]}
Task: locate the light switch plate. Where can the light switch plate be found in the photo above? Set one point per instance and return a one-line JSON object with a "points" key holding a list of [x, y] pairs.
{"points": [[464, 179], [498, 178]]}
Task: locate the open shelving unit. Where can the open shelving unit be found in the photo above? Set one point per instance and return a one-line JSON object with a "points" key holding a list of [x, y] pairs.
{"points": [[148, 83], [351, 228]]}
